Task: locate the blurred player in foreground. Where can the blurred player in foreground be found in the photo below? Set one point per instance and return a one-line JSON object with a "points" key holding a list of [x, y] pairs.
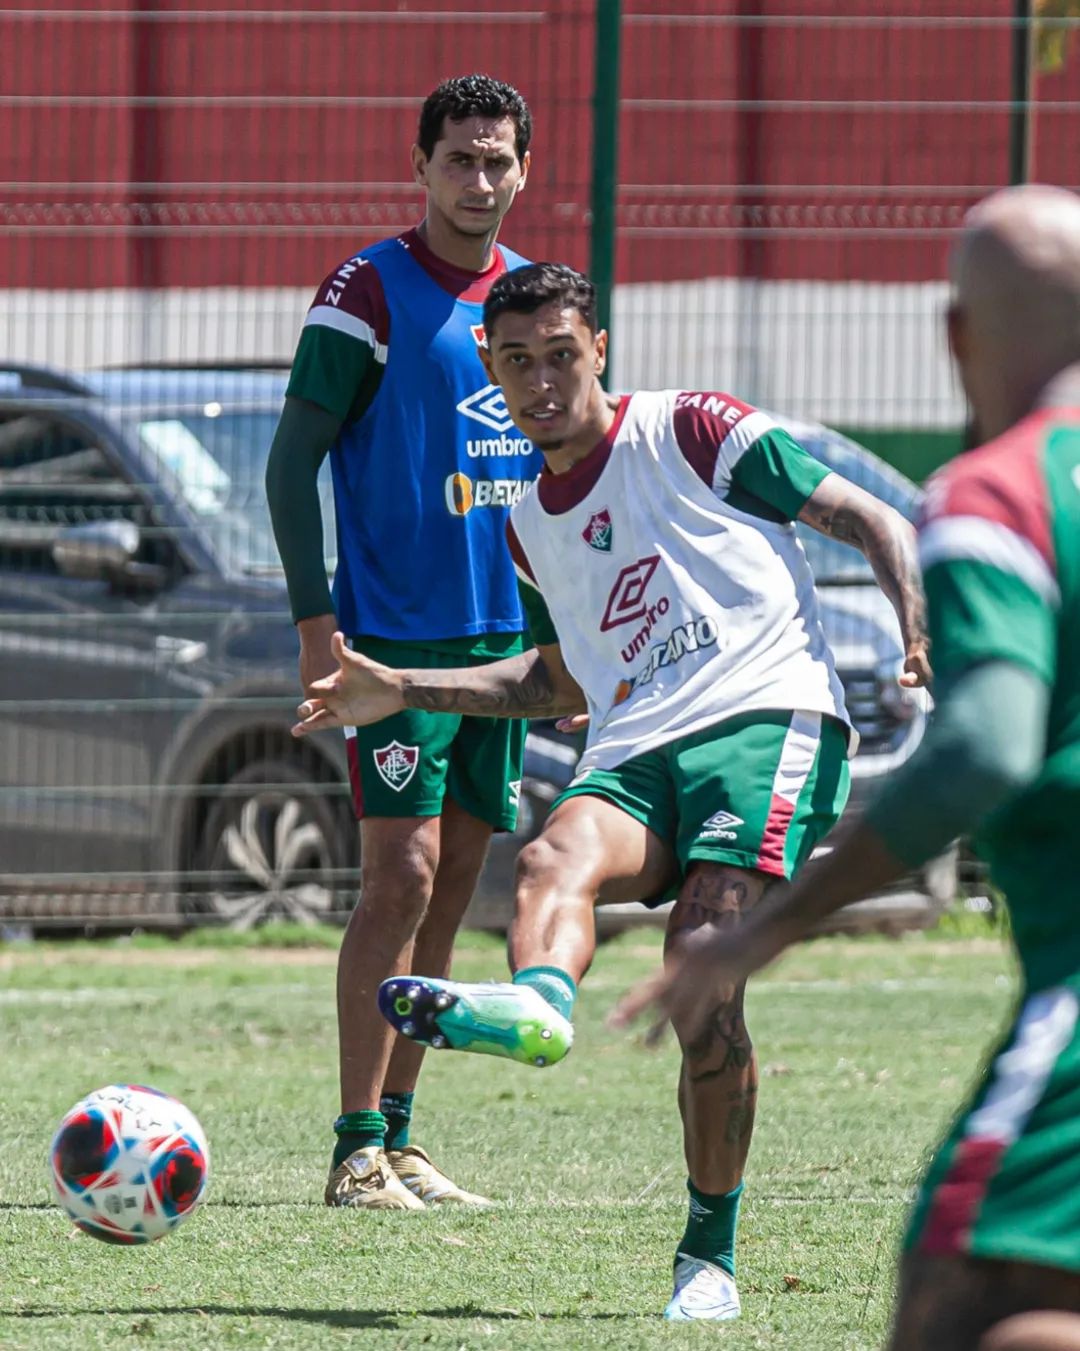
{"points": [[996, 1228], [668, 593], [388, 381]]}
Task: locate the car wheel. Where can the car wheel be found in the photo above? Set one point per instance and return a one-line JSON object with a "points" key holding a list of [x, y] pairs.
{"points": [[280, 844]]}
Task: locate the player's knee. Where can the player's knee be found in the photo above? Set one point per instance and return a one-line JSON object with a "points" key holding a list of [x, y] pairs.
{"points": [[400, 885], [543, 865]]}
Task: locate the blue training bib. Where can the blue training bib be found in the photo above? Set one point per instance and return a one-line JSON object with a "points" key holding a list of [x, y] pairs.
{"points": [[424, 481]]}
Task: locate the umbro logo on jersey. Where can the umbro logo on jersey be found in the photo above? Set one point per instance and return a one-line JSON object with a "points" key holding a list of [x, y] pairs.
{"points": [[720, 826], [627, 602], [487, 406], [597, 532], [396, 764]]}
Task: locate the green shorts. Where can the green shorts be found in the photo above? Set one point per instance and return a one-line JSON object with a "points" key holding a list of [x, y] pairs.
{"points": [[758, 790], [1006, 1182], [405, 765]]}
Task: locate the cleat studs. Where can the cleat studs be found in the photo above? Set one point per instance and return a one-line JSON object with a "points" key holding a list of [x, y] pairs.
{"points": [[402, 1006], [438, 1043], [545, 1032], [443, 1001], [407, 1029], [413, 992], [540, 1061]]}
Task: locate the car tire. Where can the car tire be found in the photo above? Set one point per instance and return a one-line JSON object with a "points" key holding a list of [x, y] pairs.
{"points": [[277, 844]]}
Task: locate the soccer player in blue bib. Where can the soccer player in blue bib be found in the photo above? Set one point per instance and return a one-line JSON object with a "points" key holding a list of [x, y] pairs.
{"points": [[426, 463]]}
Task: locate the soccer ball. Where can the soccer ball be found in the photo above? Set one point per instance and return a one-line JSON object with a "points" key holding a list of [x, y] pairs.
{"points": [[128, 1164]]}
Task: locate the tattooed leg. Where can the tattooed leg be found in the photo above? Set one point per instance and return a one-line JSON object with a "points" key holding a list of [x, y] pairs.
{"points": [[718, 1082]]}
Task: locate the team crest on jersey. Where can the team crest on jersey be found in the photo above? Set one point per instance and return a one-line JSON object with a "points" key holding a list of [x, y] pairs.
{"points": [[477, 330], [396, 764], [597, 533]]}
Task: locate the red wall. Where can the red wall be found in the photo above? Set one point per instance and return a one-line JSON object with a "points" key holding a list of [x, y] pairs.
{"points": [[165, 151]]}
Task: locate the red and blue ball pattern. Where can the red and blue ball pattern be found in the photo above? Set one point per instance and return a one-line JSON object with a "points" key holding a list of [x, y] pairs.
{"points": [[129, 1163]]}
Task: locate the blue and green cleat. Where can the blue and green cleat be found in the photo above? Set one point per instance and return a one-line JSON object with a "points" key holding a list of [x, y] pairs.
{"points": [[512, 1021]]}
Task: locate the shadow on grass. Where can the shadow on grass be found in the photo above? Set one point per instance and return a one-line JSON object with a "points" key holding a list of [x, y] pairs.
{"points": [[337, 1318]]}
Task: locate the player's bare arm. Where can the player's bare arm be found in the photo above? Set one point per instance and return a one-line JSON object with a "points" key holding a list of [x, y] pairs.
{"points": [[851, 515], [535, 684]]}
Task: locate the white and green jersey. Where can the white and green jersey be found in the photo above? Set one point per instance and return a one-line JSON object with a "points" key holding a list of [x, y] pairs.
{"points": [[1000, 551], [667, 563]]}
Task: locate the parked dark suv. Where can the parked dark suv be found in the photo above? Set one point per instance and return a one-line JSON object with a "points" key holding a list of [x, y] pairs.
{"points": [[148, 664]]}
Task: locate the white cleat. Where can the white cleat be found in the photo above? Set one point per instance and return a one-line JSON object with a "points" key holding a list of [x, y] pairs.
{"points": [[702, 1291]]}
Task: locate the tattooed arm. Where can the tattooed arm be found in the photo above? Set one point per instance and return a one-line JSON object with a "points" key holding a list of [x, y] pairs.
{"points": [[844, 512], [535, 684]]}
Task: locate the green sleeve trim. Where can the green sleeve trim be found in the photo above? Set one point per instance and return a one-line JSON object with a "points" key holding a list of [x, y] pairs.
{"points": [[336, 371], [537, 615], [303, 437], [978, 612], [778, 473]]}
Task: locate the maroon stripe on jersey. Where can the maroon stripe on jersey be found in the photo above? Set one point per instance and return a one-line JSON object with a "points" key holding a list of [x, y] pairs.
{"points": [[558, 493], [458, 281], [958, 1198], [355, 288], [702, 422], [517, 553], [1003, 482]]}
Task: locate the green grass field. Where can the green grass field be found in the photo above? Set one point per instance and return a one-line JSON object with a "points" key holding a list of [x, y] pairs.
{"points": [[865, 1046]]}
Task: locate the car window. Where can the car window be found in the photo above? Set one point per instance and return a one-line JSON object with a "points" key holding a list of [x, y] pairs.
{"points": [[213, 458], [53, 476]]}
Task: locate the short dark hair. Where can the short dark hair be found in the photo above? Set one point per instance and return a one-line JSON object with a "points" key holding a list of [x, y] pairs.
{"points": [[473, 96], [527, 289]]}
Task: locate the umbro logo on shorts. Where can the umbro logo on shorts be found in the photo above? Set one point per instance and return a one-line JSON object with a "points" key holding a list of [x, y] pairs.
{"points": [[396, 764], [720, 826]]}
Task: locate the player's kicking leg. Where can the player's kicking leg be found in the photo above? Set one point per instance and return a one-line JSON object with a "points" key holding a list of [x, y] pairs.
{"points": [[588, 848]]}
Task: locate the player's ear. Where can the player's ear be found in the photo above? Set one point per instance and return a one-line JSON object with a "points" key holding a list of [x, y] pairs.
{"points": [[419, 165], [486, 362], [526, 160], [600, 351]]}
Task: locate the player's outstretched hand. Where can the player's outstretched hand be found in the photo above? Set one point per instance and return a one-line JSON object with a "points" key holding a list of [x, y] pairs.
{"points": [[695, 981], [916, 670], [358, 692]]}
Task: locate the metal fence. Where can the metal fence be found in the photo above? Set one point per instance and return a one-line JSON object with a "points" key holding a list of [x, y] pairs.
{"points": [[764, 188]]}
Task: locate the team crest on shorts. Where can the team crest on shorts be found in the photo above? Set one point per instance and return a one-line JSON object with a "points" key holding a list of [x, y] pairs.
{"points": [[396, 764], [597, 533]]}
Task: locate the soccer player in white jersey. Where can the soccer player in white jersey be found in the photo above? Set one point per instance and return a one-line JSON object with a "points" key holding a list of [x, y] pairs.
{"points": [[669, 597]]}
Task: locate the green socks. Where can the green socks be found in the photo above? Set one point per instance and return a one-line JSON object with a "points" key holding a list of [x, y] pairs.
{"points": [[397, 1109], [357, 1130], [555, 985], [710, 1230]]}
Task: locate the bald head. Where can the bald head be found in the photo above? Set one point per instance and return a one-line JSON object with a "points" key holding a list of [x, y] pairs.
{"points": [[1016, 326]]}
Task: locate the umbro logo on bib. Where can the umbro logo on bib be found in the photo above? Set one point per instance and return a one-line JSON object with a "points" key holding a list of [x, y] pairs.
{"points": [[488, 407]]}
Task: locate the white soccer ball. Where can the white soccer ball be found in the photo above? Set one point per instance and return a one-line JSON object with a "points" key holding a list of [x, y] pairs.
{"points": [[128, 1164]]}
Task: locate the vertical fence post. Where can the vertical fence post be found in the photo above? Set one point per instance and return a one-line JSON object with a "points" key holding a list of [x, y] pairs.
{"points": [[605, 150], [1020, 113]]}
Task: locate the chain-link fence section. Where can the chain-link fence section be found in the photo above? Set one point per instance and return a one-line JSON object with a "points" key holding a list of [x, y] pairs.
{"points": [[173, 184]]}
